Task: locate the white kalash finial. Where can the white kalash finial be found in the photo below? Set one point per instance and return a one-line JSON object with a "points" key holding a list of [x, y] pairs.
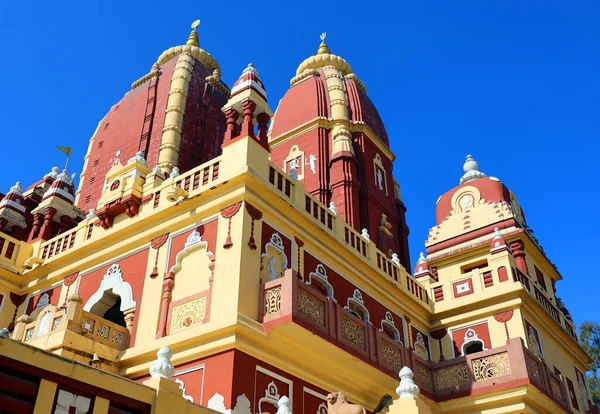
{"points": [[283, 406], [395, 258], [175, 172], [471, 169], [365, 234], [139, 157], [91, 215], [16, 188], [497, 234], [407, 387], [54, 173], [422, 258], [162, 367], [333, 207]]}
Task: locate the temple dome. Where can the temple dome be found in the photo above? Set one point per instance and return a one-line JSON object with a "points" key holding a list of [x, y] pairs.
{"points": [[309, 97], [172, 115]]}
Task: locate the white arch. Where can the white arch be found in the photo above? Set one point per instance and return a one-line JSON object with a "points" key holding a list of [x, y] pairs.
{"points": [[471, 336], [357, 302], [113, 281], [389, 323], [194, 242], [320, 275]]}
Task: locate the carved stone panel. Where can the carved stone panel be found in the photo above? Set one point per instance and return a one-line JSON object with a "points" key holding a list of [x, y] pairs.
{"points": [[450, 376], [273, 300], [491, 366], [188, 314], [311, 307], [353, 332]]}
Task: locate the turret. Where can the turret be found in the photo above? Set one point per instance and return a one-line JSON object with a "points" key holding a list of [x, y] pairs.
{"points": [[246, 107], [13, 211]]}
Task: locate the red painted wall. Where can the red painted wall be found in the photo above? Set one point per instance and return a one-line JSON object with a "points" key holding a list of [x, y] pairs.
{"points": [[458, 337], [53, 293], [134, 273], [208, 231]]}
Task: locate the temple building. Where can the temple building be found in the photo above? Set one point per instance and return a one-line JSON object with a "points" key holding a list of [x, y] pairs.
{"points": [[219, 255]]}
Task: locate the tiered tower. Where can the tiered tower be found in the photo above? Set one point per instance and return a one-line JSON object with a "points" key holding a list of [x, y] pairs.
{"points": [[217, 266], [329, 131]]}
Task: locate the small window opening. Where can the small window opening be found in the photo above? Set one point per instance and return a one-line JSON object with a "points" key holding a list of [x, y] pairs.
{"points": [[473, 347]]}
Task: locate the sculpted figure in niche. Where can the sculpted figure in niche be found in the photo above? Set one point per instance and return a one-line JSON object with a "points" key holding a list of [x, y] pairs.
{"points": [[338, 404]]}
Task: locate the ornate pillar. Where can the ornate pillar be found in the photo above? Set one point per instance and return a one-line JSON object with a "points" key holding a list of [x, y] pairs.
{"points": [[504, 317], [263, 122], [170, 142], [232, 115], [438, 335], [168, 282], [518, 252], [38, 219], [129, 318], [247, 129], [46, 230], [18, 333], [65, 223]]}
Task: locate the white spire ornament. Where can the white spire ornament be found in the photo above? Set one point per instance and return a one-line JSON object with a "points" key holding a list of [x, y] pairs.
{"points": [[162, 367], [407, 387], [471, 169]]}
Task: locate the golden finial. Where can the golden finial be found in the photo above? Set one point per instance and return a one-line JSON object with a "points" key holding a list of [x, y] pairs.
{"points": [[193, 38], [323, 46]]}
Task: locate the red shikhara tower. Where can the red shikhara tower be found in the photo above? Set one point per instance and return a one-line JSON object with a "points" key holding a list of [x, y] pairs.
{"points": [[327, 129], [172, 115]]}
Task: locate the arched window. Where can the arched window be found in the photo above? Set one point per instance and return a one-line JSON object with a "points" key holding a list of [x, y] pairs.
{"points": [[473, 347], [114, 313], [356, 306], [388, 327], [318, 278]]}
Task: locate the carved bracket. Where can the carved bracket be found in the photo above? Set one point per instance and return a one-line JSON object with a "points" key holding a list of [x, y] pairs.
{"points": [[255, 214], [156, 244], [228, 213]]}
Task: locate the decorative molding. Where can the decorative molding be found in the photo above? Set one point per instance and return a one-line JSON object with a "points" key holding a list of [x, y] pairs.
{"points": [[217, 403], [194, 242], [388, 322], [156, 244], [228, 213], [320, 275], [356, 301], [271, 396], [184, 390], [255, 214], [113, 281]]}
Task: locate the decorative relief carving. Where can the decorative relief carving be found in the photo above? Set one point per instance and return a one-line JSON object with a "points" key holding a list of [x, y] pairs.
{"points": [[29, 334], [87, 324], [391, 356], [423, 377], [117, 337], [44, 324], [103, 331], [556, 389], [320, 277], [188, 314], [450, 376], [353, 332], [533, 368], [56, 322], [273, 300], [311, 307], [491, 366]]}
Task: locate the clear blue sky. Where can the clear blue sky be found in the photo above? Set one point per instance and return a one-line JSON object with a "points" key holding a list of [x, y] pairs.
{"points": [[514, 83]]}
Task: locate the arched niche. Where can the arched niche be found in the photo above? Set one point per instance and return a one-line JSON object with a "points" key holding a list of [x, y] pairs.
{"points": [[420, 348], [356, 306], [111, 286], [191, 269], [274, 259], [388, 326], [319, 279], [472, 343], [268, 403]]}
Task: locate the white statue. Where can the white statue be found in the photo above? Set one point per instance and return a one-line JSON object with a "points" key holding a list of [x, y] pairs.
{"points": [[312, 159], [380, 179], [271, 268]]}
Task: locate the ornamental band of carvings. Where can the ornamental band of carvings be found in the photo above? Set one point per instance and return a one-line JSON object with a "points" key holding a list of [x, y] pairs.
{"points": [[451, 376], [556, 390], [391, 356], [311, 307], [103, 331], [353, 332], [272, 300], [117, 337], [533, 368], [423, 377], [188, 314], [491, 366]]}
